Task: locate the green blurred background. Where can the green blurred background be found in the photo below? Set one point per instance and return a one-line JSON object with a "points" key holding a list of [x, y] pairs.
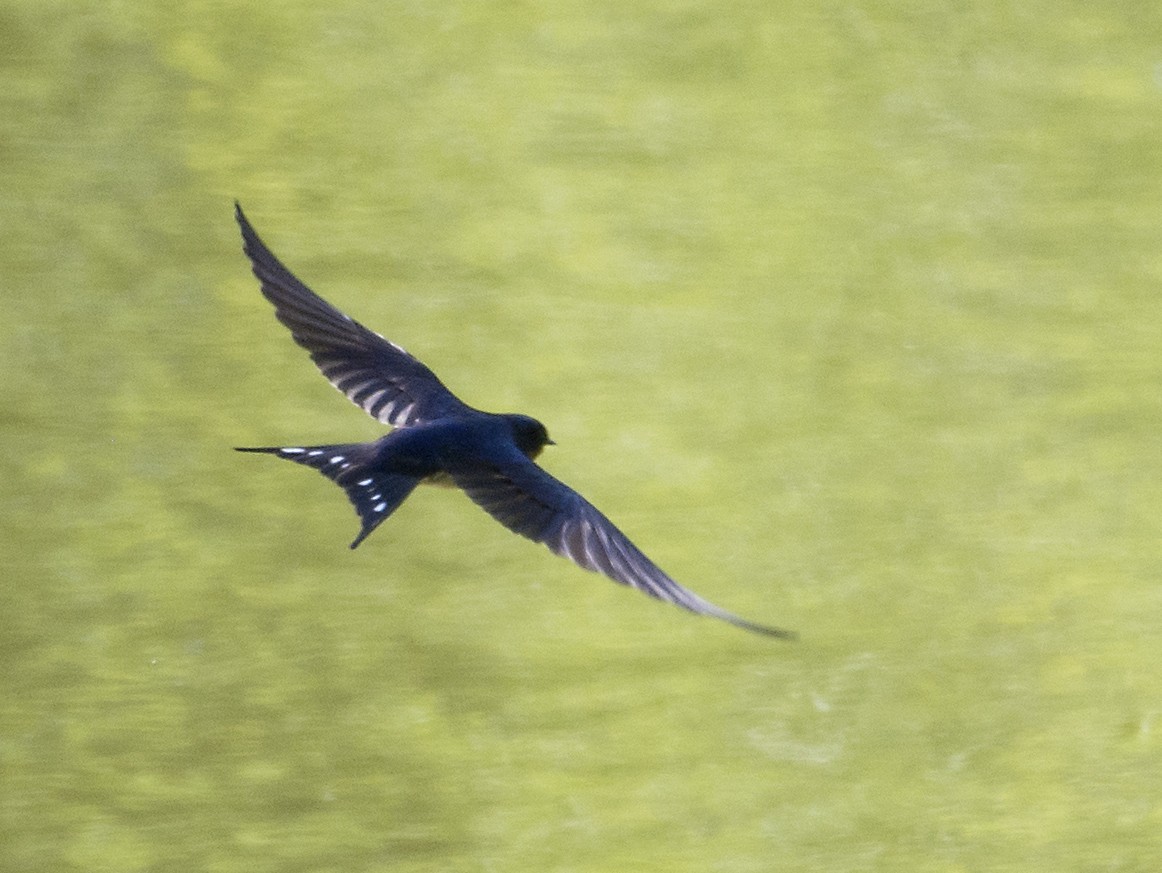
{"points": [[848, 313]]}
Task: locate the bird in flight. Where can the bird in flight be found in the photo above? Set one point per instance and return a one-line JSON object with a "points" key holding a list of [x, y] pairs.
{"points": [[437, 438]]}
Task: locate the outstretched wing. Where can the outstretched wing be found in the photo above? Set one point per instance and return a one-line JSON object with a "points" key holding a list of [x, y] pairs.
{"points": [[374, 373], [530, 502]]}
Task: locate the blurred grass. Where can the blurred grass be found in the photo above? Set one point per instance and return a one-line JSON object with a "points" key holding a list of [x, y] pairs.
{"points": [[847, 316]]}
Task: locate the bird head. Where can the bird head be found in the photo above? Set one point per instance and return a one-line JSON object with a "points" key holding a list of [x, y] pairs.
{"points": [[529, 434]]}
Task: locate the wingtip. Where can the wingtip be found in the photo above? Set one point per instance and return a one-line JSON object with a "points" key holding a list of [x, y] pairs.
{"points": [[779, 633], [754, 627], [766, 631], [252, 245], [240, 216]]}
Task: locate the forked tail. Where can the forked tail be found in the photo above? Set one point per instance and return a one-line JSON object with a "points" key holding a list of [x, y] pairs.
{"points": [[375, 494]]}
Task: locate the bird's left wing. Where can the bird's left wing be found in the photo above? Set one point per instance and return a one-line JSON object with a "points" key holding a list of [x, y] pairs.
{"points": [[375, 374], [530, 502]]}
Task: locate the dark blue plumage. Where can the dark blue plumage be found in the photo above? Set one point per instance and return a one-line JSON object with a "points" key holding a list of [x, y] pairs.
{"points": [[438, 438]]}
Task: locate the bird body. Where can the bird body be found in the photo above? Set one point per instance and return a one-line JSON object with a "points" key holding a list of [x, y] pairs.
{"points": [[438, 439]]}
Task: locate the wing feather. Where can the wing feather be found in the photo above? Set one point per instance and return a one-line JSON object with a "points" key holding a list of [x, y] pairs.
{"points": [[374, 373], [529, 501]]}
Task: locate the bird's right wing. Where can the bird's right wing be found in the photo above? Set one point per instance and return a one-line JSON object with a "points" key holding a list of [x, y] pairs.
{"points": [[530, 502], [375, 374]]}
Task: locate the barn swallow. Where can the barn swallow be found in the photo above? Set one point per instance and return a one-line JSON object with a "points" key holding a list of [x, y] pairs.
{"points": [[437, 438]]}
